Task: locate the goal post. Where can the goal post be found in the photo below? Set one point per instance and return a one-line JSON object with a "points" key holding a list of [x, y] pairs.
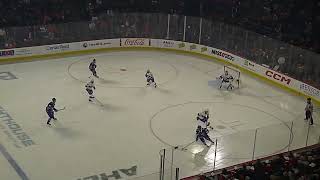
{"points": [[235, 73]]}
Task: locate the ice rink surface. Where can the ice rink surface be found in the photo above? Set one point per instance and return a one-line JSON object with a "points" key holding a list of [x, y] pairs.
{"points": [[123, 133]]}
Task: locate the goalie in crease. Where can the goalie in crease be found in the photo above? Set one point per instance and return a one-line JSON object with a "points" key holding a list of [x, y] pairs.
{"points": [[226, 78]]}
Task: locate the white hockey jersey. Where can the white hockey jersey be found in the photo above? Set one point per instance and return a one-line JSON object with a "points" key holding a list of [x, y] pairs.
{"points": [[203, 118], [90, 86], [149, 75]]}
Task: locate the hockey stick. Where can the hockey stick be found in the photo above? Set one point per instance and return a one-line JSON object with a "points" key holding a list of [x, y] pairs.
{"points": [[99, 102], [61, 109]]}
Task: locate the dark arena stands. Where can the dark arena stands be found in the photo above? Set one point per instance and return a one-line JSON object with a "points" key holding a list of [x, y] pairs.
{"points": [[283, 35]]}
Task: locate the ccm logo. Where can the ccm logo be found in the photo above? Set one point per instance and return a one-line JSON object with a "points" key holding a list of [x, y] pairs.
{"points": [[278, 77]]}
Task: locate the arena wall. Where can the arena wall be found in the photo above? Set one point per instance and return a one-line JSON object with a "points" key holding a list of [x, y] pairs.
{"points": [[244, 65]]}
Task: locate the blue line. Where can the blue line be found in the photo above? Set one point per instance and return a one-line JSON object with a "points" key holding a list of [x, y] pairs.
{"points": [[13, 163]]}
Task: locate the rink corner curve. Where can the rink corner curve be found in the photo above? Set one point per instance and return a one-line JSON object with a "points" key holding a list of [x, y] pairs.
{"points": [[141, 44]]}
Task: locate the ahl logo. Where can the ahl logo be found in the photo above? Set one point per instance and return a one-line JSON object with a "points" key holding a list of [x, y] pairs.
{"points": [[278, 77], [85, 45], [116, 174]]}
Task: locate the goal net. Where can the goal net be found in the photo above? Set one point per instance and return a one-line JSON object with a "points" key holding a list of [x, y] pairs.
{"points": [[235, 73]]}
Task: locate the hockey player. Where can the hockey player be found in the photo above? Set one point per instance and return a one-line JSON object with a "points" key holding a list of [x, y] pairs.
{"points": [[226, 78], [202, 134], [203, 119], [50, 109], [92, 68], [150, 79], [89, 88], [309, 110]]}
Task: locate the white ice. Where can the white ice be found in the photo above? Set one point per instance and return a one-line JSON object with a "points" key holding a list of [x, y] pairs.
{"points": [[135, 122]]}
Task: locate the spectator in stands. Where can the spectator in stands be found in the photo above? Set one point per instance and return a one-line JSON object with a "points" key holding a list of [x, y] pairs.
{"points": [[259, 170]]}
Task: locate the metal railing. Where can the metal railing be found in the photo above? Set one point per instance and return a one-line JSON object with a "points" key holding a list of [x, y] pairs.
{"points": [[232, 149]]}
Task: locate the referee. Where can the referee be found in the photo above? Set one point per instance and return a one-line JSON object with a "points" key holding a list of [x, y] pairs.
{"points": [[309, 110]]}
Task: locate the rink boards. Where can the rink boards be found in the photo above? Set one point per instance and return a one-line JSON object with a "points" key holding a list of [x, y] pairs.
{"points": [[71, 127], [276, 78]]}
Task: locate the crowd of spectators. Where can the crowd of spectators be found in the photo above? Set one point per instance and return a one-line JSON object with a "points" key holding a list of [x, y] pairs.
{"points": [[296, 22], [35, 12], [292, 166]]}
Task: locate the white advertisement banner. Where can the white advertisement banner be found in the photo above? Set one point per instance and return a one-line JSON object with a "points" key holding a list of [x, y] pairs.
{"points": [[135, 42], [312, 91], [168, 44], [24, 51], [97, 44], [56, 48]]}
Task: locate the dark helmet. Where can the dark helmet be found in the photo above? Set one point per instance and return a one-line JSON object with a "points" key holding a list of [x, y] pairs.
{"points": [[309, 100], [53, 99]]}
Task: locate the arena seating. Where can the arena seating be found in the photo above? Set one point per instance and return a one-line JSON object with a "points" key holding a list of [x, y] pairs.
{"points": [[295, 22], [302, 164]]}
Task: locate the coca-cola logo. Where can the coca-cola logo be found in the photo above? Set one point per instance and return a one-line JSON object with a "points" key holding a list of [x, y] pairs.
{"points": [[134, 42]]}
